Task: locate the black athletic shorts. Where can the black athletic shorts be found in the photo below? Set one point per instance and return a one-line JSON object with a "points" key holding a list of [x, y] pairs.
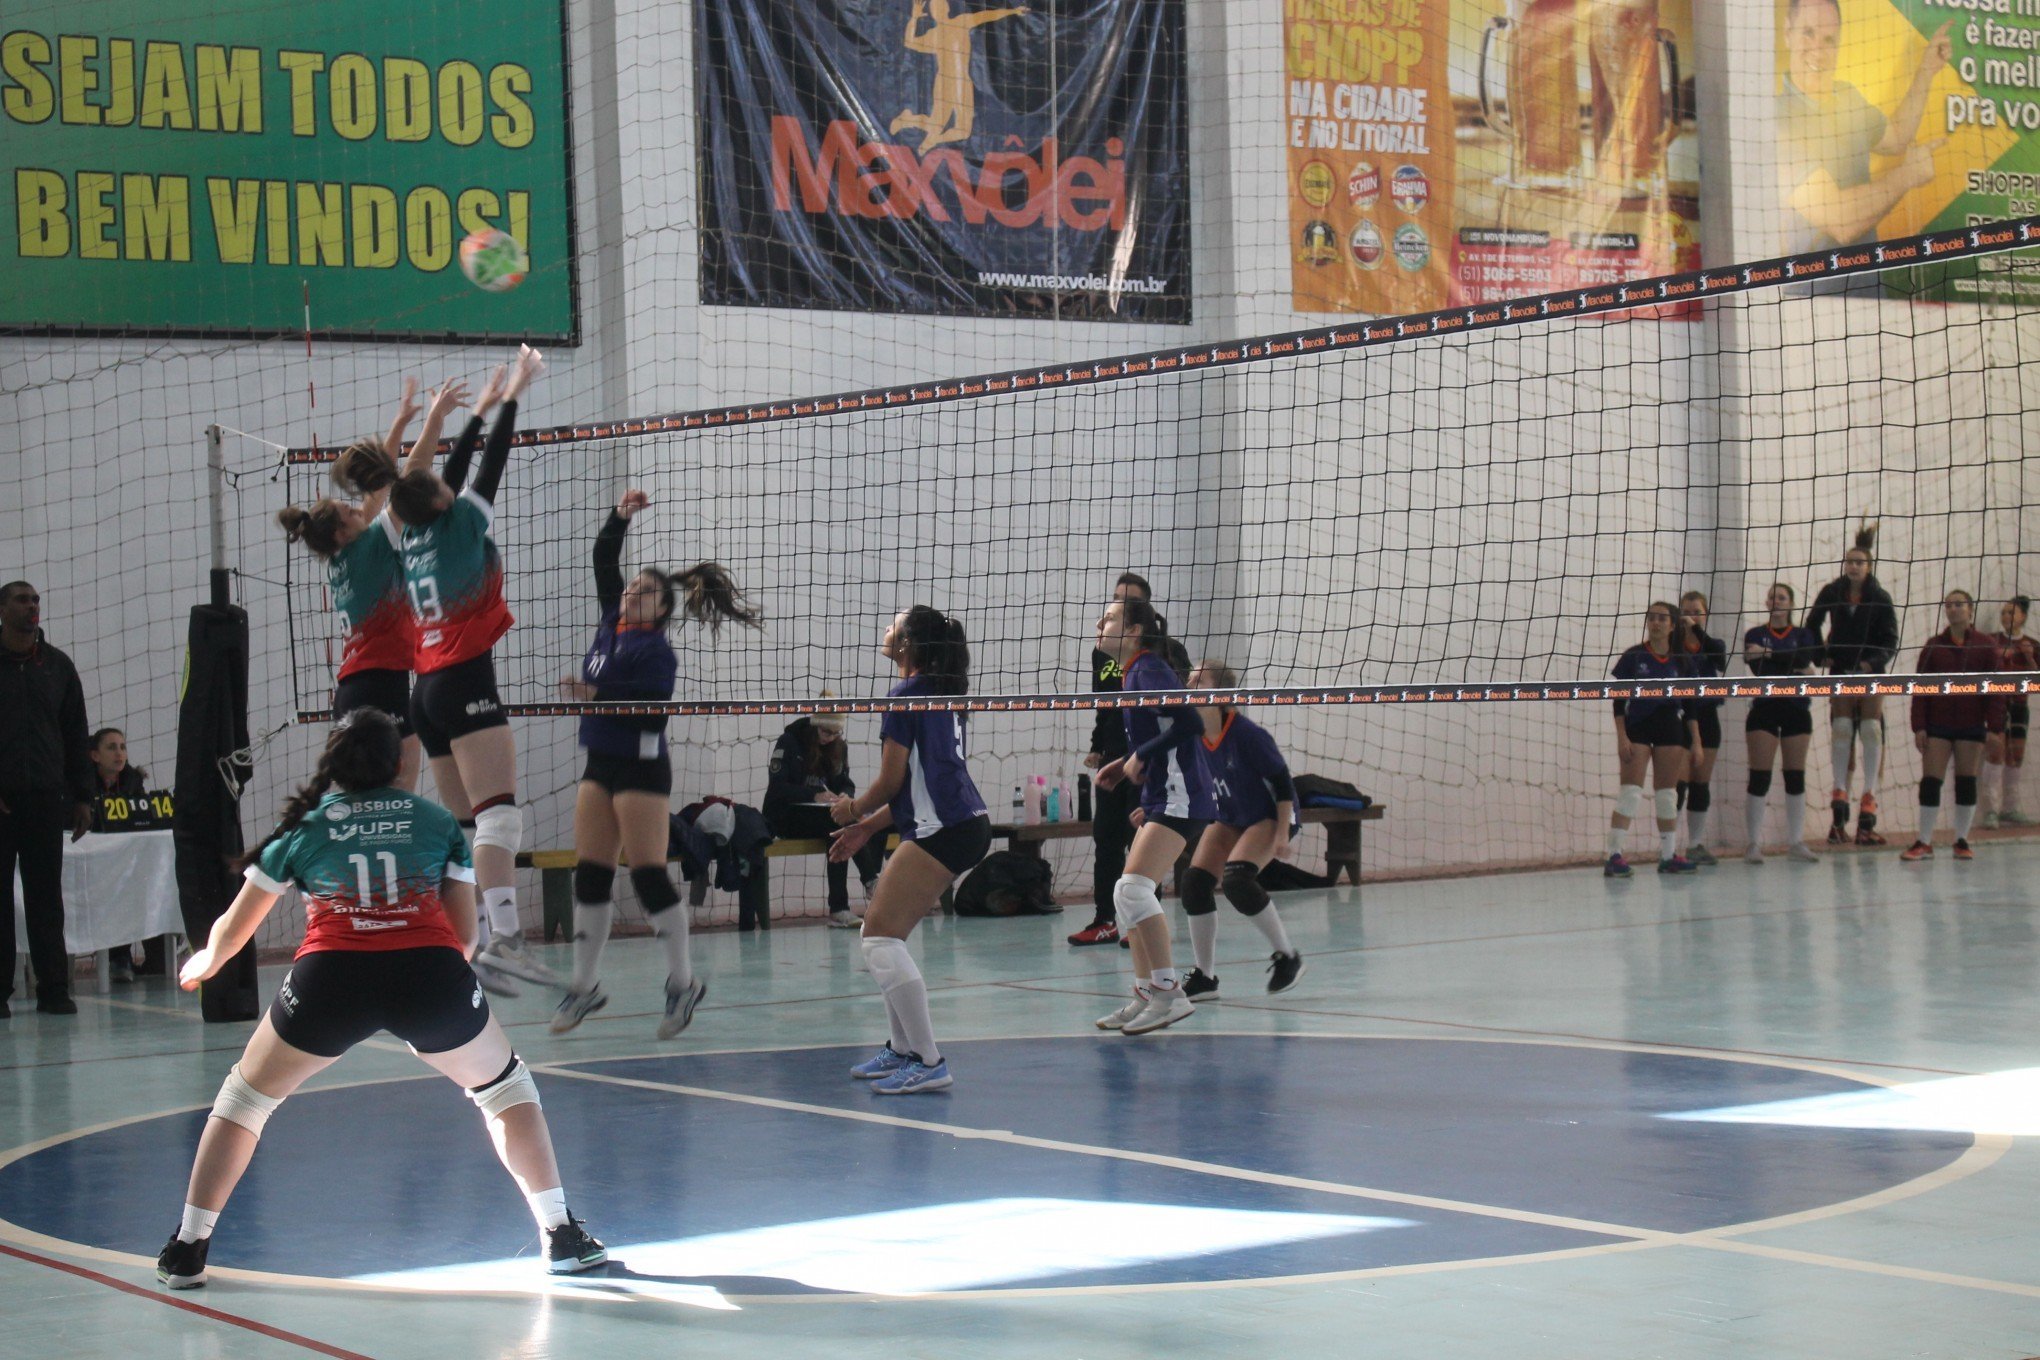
{"points": [[1935, 730], [1662, 727], [958, 848], [1780, 717], [1189, 828], [1709, 721], [456, 702], [389, 691], [623, 774], [2016, 718], [332, 1000]]}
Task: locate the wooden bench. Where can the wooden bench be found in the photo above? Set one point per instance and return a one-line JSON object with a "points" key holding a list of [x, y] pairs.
{"points": [[754, 903], [1341, 857]]}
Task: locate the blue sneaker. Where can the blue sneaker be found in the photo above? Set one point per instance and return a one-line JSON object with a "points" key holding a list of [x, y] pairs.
{"points": [[913, 1078], [883, 1063], [1677, 864], [1616, 867]]}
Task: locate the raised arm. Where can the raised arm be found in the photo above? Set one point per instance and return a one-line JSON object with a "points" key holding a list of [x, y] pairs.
{"points": [[496, 453], [446, 399], [609, 550]]}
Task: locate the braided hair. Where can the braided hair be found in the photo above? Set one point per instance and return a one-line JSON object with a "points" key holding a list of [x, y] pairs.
{"points": [[364, 751]]}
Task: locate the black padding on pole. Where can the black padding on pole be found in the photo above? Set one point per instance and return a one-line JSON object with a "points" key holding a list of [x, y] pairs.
{"points": [[212, 740]]}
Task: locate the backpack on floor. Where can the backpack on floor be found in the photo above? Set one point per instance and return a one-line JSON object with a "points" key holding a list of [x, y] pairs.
{"points": [[1007, 883]]}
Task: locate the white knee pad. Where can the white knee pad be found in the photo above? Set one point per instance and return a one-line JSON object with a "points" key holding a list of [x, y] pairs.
{"points": [[1666, 803], [514, 1087], [1135, 899], [890, 963], [501, 826], [240, 1103], [1629, 802]]}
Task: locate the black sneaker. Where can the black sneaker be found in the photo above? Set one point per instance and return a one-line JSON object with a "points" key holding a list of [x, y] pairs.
{"points": [[6, 1011], [569, 1249], [181, 1265], [1199, 985], [56, 1005], [1283, 972]]}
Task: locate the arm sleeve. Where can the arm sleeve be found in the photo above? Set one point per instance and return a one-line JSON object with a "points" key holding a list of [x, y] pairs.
{"points": [[609, 563], [77, 736], [456, 470], [1184, 727], [271, 870], [496, 453]]}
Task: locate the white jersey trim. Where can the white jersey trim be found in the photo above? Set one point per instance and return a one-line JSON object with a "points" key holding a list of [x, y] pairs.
{"points": [[254, 875]]}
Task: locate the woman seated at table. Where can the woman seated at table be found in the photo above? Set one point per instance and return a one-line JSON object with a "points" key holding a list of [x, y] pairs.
{"points": [[113, 777], [810, 772]]}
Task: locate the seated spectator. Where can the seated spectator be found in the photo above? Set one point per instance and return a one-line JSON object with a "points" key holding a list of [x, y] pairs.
{"points": [[113, 777], [810, 773]]}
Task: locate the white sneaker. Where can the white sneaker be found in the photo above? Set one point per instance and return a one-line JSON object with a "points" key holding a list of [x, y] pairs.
{"points": [[1991, 821], [1164, 1008], [1800, 854], [507, 954], [680, 1004], [493, 980], [1753, 855], [1118, 1018], [843, 920], [575, 1007]]}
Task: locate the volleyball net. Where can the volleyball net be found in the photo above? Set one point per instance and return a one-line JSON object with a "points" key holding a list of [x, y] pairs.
{"points": [[1421, 540]]}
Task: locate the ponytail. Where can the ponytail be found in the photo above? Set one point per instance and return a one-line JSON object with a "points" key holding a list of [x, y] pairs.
{"points": [[1866, 537], [317, 528], [364, 751], [364, 468], [707, 594], [937, 649]]}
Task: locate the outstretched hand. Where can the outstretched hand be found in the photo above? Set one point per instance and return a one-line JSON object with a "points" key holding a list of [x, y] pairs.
{"points": [[530, 363], [633, 501], [492, 391], [849, 841], [449, 397], [200, 966]]}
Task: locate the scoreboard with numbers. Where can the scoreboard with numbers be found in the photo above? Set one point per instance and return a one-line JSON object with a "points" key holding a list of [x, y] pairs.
{"points": [[149, 811]]}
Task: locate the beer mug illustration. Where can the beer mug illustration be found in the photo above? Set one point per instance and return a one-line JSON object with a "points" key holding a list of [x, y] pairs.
{"points": [[1632, 75]]}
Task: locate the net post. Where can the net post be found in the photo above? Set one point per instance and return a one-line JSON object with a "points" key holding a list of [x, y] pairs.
{"points": [[216, 498]]}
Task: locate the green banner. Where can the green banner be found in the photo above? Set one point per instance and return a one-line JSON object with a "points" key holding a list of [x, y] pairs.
{"points": [[184, 168]]}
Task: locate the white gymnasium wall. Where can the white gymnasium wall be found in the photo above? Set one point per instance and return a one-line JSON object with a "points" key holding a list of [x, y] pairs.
{"points": [[1382, 546]]}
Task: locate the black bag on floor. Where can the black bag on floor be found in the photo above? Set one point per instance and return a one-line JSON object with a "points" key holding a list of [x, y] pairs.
{"points": [[1007, 883]]}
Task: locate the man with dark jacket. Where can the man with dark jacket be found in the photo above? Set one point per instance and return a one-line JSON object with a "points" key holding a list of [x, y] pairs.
{"points": [[45, 787]]}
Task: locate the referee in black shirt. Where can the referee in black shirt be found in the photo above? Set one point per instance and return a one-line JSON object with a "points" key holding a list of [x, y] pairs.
{"points": [[45, 788]]}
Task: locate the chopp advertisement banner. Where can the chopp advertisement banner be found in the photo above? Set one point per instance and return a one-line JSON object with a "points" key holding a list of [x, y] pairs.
{"points": [[175, 167], [945, 157], [1459, 152], [1899, 117]]}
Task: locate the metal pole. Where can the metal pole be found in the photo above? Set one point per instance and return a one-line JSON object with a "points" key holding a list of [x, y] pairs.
{"points": [[216, 494]]}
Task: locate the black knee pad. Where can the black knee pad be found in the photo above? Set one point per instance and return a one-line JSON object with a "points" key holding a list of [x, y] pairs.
{"points": [[1965, 790], [654, 888], [1760, 783], [1243, 888], [1199, 892], [1699, 797], [593, 883], [1683, 787], [1930, 793], [1795, 783]]}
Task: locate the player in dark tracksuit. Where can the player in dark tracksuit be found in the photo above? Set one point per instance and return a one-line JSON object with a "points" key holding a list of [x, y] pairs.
{"points": [[1857, 625], [1954, 726], [1654, 735], [1779, 728]]}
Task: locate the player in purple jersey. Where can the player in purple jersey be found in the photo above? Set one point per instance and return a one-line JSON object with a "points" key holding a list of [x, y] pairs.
{"points": [[924, 791], [1256, 807], [1653, 735], [1779, 724], [621, 804], [1176, 804]]}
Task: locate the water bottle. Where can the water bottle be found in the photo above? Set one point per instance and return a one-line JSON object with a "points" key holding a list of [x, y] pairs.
{"points": [[1019, 806], [1032, 807], [1083, 798], [1055, 802]]}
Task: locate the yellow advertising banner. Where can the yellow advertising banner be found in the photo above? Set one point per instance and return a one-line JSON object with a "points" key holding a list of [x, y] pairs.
{"points": [[1453, 152]]}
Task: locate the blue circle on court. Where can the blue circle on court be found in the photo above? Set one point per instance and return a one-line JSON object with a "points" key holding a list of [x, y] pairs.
{"points": [[1059, 1163]]}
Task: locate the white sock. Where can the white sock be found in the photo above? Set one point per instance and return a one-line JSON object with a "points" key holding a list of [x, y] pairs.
{"points": [[1204, 942], [1795, 818], [1930, 817], [549, 1207], [1873, 755], [1965, 817], [670, 926], [1164, 979], [591, 931], [1696, 828], [1843, 731], [1753, 818], [1269, 922], [1616, 836], [896, 1034], [501, 904], [1668, 844], [899, 977], [2008, 789], [198, 1223]]}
